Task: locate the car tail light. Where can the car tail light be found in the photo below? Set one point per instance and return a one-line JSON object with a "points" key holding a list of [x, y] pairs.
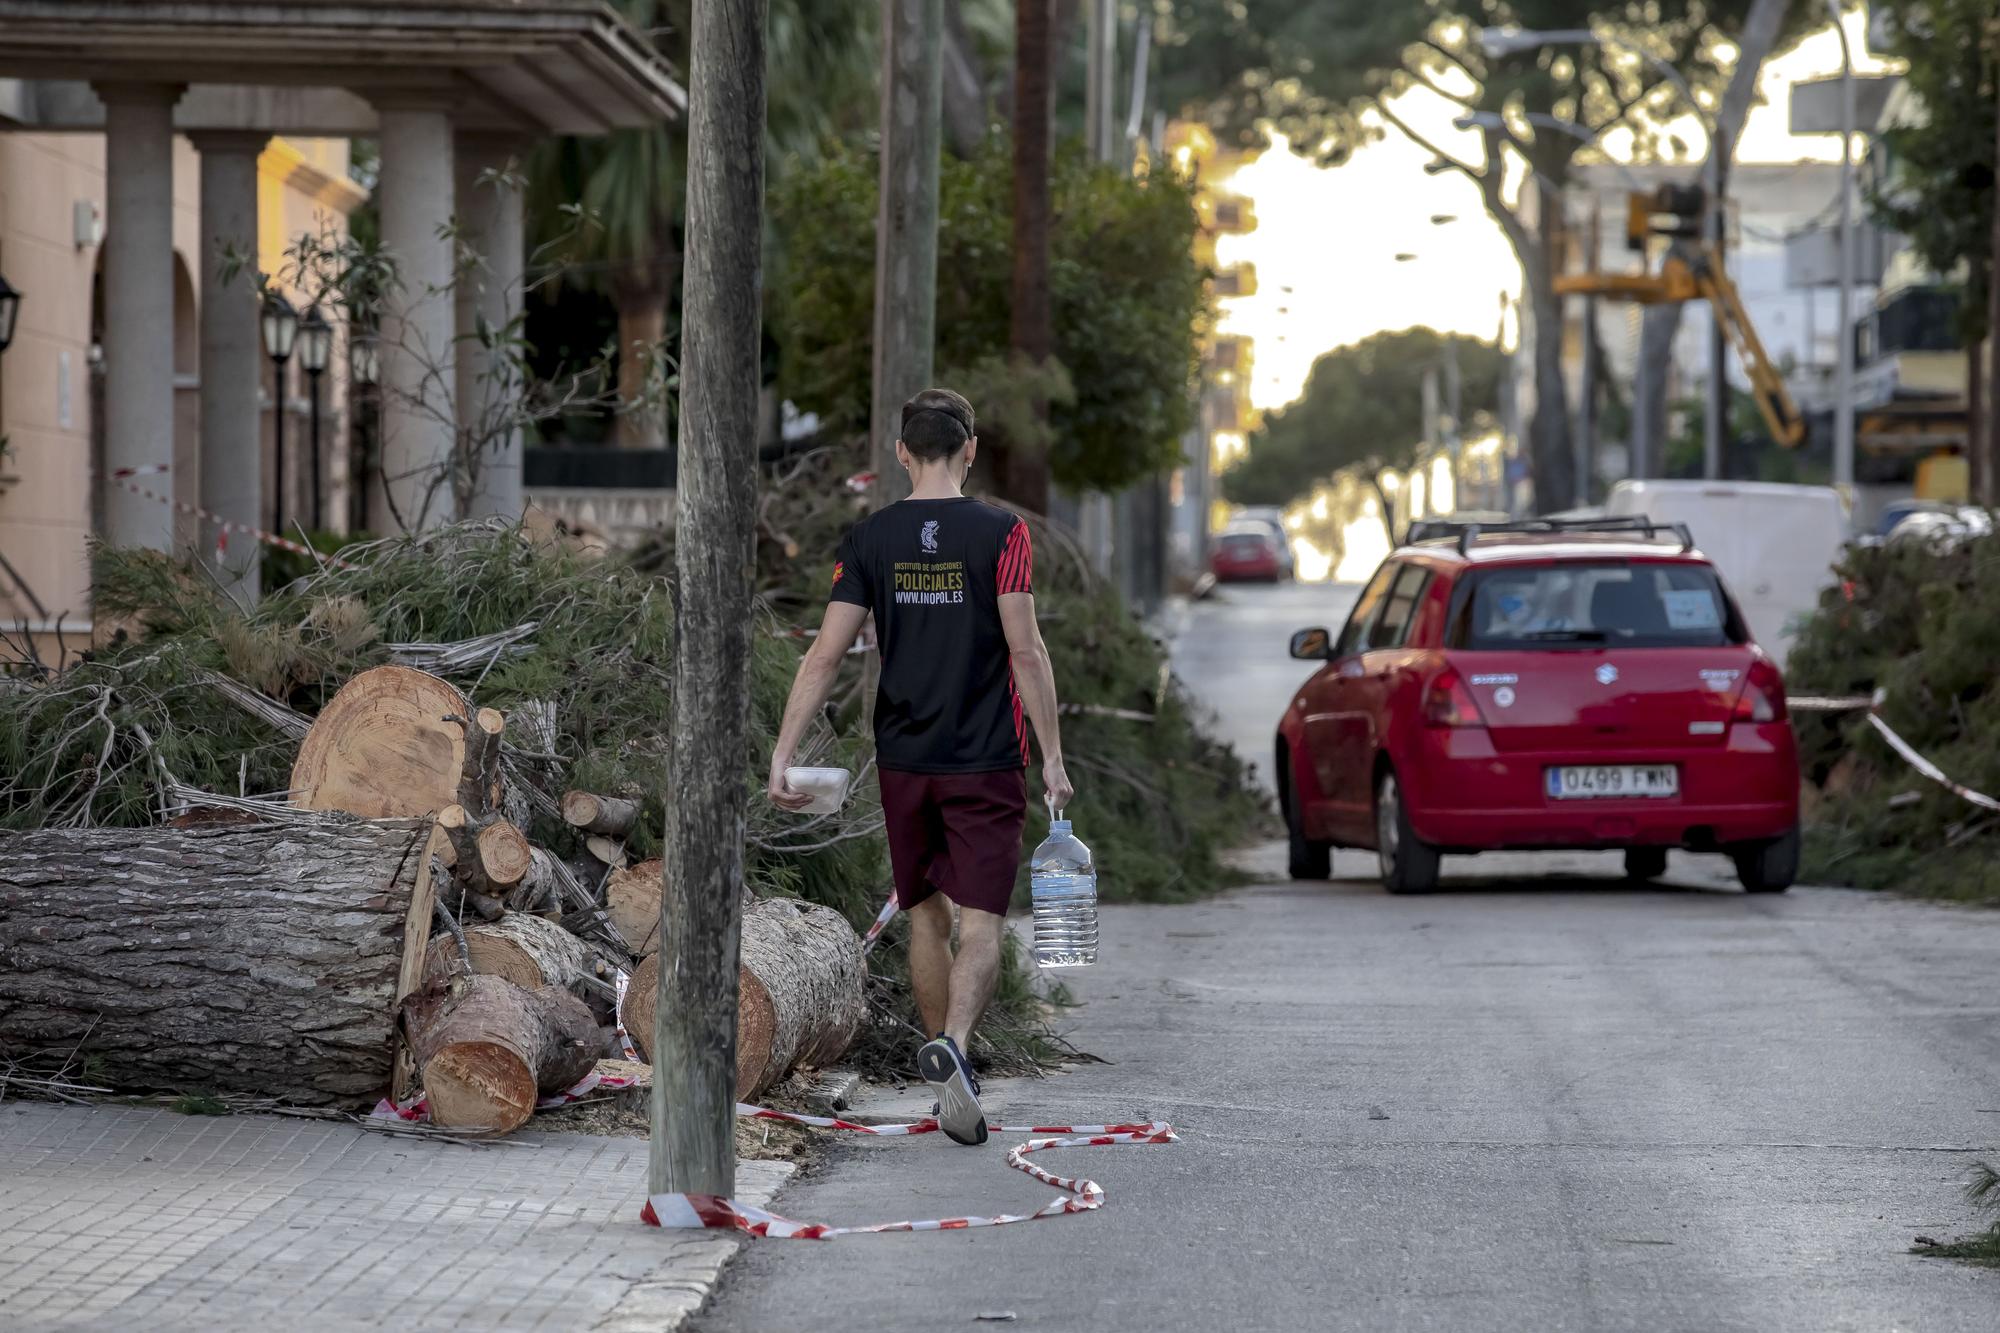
{"points": [[1449, 704], [1763, 696]]}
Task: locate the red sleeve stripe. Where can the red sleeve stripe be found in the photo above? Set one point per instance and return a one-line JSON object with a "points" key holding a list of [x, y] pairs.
{"points": [[1017, 561]]}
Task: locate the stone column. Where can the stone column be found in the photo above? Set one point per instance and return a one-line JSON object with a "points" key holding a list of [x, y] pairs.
{"points": [[138, 307], [419, 377], [232, 457], [489, 383]]}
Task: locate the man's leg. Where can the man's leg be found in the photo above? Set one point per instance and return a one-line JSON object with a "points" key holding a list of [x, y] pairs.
{"points": [[931, 975], [974, 973]]}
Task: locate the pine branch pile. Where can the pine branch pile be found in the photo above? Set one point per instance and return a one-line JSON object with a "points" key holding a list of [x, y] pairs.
{"points": [[1922, 623]]}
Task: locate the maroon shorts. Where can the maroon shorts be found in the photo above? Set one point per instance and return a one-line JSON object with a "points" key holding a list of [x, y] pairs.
{"points": [[955, 833]]}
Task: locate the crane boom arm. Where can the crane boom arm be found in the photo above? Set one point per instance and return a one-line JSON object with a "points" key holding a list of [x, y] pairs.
{"points": [[1767, 384]]}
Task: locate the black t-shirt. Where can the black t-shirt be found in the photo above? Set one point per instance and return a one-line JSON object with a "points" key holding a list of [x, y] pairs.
{"points": [[933, 571]]}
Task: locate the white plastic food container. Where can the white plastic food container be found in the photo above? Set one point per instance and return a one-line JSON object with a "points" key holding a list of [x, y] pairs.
{"points": [[826, 786]]}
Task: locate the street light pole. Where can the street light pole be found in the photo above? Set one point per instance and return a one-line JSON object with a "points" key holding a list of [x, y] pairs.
{"points": [[281, 328], [1843, 390], [315, 350]]}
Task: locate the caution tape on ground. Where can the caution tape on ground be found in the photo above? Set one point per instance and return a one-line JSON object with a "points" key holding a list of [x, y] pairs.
{"points": [[1872, 704], [714, 1213]]}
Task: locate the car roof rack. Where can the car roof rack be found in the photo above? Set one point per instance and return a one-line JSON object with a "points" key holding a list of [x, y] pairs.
{"points": [[1463, 535]]}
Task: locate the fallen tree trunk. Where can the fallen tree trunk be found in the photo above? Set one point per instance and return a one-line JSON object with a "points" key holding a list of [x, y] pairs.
{"points": [[261, 959], [520, 948], [488, 1049], [800, 999]]}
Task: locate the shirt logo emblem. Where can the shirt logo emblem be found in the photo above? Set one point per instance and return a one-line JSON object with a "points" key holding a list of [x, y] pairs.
{"points": [[929, 537], [839, 568], [1606, 674]]}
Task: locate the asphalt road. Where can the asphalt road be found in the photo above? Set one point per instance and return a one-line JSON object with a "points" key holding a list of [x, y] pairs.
{"points": [[1534, 1100]]}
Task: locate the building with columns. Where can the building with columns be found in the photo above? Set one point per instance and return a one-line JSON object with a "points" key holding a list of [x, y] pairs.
{"points": [[148, 147]]}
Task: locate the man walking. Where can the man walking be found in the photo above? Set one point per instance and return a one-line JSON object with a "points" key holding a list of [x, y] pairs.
{"points": [[949, 580]]}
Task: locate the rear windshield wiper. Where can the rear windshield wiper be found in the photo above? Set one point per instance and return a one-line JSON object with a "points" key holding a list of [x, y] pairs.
{"points": [[1566, 636]]}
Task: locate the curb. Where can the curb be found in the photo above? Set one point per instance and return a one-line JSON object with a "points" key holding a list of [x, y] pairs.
{"points": [[665, 1299]]}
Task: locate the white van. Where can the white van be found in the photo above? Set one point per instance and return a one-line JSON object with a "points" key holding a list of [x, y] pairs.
{"points": [[1774, 544]]}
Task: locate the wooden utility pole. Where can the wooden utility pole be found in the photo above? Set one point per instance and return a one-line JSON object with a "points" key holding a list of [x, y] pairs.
{"points": [[1990, 494], [906, 229], [694, 1034], [1031, 326]]}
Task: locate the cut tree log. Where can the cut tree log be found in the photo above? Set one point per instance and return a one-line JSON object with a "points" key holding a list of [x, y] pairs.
{"points": [[632, 898], [608, 850], [479, 788], [504, 854], [611, 815], [800, 998], [490, 857], [258, 959], [520, 948], [382, 748], [488, 1049]]}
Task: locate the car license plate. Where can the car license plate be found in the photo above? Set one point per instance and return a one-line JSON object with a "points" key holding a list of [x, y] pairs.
{"points": [[1600, 781]]}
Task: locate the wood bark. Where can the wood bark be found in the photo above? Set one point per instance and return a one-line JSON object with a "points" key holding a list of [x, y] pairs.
{"points": [[801, 999], [613, 816], [488, 1049], [382, 749], [1031, 327], [906, 227], [262, 959], [489, 858], [520, 948], [693, 1142], [642, 325], [1990, 492], [632, 898]]}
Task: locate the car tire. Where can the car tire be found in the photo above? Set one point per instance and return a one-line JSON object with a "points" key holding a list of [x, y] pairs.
{"points": [[1768, 867], [1409, 864], [1306, 858], [1645, 863]]}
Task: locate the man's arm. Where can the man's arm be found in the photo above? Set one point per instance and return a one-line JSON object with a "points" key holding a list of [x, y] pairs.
{"points": [[809, 690], [1035, 678]]}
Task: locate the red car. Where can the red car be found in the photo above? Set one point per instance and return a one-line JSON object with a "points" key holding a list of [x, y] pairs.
{"points": [[1541, 685], [1245, 555]]}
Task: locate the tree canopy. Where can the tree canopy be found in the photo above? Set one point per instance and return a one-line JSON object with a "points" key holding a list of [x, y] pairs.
{"points": [[1363, 404], [1329, 74], [1128, 301], [1940, 190]]}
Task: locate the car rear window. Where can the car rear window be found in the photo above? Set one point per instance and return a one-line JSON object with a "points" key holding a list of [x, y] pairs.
{"points": [[1245, 543], [1579, 604]]}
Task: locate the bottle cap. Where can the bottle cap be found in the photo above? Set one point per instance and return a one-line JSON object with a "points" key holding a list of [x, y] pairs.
{"points": [[1058, 827]]}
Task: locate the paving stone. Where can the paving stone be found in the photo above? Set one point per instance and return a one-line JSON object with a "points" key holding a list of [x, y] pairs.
{"points": [[115, 1217]]}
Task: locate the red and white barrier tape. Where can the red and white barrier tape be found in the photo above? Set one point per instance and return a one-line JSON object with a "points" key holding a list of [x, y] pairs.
{"points": [[1873, 705], [880, 924], [710, 1212], [123, 477]]}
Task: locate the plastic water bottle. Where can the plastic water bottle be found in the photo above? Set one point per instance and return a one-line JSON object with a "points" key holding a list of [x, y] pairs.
{"points": [[1064, 885]]}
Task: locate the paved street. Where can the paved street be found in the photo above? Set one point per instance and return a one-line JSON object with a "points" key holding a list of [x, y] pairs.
{"points": [[116, 1218], [1526, 1102]]}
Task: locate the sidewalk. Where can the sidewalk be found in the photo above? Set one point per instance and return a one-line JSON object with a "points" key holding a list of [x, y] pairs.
{"points": [[116, 1217]]}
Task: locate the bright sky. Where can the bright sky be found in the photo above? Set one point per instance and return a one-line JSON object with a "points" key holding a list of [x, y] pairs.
{"points": [[1327, 240]]}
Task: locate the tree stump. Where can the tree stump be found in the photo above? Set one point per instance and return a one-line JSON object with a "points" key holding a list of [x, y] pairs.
{"points": [[800, 998], [520, 948], [260, 959], [489, 1049]]}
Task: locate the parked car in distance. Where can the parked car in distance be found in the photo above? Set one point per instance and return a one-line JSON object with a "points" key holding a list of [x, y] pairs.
{"points": [[1243, 554], [1941, 529], [1775, 544], [1541, 685], [1269, 520]]}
